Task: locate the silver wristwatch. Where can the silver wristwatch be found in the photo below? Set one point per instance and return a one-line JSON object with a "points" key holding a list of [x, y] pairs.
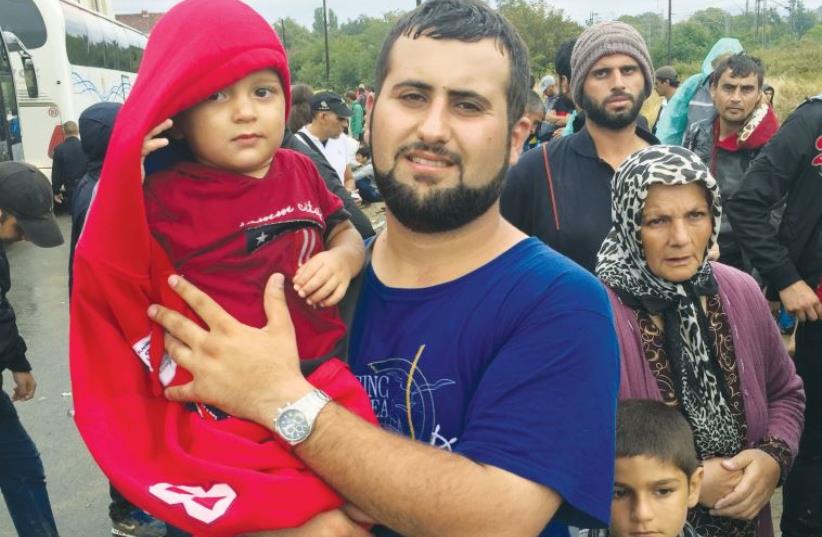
{"points": [[295, 421]]}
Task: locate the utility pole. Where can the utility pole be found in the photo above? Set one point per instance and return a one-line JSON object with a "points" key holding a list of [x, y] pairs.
{"points": [[669, 32], [756, 21], [282, 25], [325, 32]]}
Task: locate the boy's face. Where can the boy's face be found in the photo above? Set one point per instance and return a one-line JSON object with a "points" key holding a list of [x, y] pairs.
{"points": [[651, 497], [239, 128]]}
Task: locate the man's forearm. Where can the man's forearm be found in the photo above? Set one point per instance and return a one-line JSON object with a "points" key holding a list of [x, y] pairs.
{"points": [[416, 489]]}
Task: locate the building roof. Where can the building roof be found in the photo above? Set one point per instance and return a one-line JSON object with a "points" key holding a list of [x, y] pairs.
{"points": [[143, 21]]}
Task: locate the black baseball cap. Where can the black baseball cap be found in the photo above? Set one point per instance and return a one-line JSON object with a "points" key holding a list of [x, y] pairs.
{"points": [[26, 194], [327, 101]]}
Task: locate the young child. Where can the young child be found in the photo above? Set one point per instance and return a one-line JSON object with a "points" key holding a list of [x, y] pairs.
{"points": [[657, 476], [227, 215]]}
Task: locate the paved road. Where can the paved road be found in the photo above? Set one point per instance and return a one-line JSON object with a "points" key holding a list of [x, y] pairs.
{"points": [[39, 294]]}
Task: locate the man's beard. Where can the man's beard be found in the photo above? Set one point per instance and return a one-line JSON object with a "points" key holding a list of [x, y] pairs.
{"points": [[612, 120], [439, 210]]}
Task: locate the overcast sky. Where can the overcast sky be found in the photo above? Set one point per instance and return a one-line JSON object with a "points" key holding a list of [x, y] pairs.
{"points": [[303, 10]]}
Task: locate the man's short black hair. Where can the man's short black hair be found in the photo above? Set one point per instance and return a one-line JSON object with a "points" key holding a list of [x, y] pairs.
{"points": [[740, 65], [468, 21], [654, 429], [562, 59], [363, 151]]}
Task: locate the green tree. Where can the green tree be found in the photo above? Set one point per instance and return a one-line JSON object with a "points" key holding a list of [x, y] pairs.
{"points": [[317, 25], [542, 27]]}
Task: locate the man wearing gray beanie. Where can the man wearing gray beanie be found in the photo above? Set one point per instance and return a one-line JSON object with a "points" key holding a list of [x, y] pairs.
{"points": [[561, 192]]}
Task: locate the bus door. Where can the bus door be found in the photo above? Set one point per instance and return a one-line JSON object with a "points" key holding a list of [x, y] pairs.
{"points": [[11, 143]]}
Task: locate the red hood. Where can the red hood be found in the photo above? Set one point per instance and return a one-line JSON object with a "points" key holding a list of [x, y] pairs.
{"points": [[761, 126], [177, 71]]}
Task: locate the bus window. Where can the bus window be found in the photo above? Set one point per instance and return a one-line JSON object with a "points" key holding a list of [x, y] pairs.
{"points": [[23, 18], [136, 45], [76, 38], [96, 44]]}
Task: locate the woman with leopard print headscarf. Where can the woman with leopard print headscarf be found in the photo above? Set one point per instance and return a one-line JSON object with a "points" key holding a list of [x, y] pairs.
{"points": [[699, 336]]}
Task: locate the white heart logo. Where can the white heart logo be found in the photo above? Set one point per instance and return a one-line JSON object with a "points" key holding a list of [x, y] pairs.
{"points": [[204, 505]]}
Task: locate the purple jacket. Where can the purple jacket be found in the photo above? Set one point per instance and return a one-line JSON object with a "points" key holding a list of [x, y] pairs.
{"points": [[771, 390]]}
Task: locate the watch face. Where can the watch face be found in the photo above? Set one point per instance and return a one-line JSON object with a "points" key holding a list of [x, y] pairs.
{"points": [[293, 426]]}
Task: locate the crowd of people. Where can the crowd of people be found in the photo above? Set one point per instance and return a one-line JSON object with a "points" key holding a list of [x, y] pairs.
{"points": [[563, 327]]}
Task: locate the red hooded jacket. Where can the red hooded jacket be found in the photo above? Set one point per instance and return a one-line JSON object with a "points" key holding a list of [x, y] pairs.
{"points": [[210, 478]]}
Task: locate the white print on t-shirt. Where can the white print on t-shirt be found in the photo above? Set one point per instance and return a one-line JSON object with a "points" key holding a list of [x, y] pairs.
{"points": [[402, 398], [269, 217], [308, 207], [305, 207], [204, 505], [309, 238]]}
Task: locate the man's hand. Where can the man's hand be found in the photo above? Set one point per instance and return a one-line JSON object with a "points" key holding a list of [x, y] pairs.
{"points": [[760, 478], [24, 386], [58, 198], [324, 279], [328, 524], [718, 482], [152, 144], [800, 300], [248, 372]]}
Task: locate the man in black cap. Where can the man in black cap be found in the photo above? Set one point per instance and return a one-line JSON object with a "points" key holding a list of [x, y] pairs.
{"points": [[26, 213], [666, 82], [329, 116]]}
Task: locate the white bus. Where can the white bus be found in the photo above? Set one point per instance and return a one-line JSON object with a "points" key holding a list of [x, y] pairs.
{"points": [[81, 57]]}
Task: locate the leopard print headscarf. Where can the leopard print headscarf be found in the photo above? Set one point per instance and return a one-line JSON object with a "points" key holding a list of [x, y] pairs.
{"points": [[621, 265]]}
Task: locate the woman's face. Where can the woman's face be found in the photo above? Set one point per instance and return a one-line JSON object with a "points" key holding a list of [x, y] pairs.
{"points": [[676, 228]]}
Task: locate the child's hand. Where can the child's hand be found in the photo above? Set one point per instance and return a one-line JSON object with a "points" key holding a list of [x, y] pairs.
{"points": [[152, 144], [323, 280]]}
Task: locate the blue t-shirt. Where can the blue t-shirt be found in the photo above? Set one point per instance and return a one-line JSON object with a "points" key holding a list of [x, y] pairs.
{"points": [[514, 365]]}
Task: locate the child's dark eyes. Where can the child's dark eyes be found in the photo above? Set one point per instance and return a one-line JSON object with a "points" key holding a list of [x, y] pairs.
{"points": [[664, 491], [218, 96], [619, 493], [265, 92]]}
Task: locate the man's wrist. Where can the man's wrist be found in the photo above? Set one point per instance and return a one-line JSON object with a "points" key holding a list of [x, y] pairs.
{"points": [[268, 406]]}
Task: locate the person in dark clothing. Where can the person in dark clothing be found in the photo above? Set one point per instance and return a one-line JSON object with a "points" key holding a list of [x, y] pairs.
{"points": [[96, 124], [68, 166], [561, 193], [329, 175], [733, 136], [557, 115], [25, 214], [300, 116], [788, 171]]}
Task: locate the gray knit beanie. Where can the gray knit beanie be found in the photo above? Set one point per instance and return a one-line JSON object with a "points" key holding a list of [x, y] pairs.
{"points": [[605, 38]]}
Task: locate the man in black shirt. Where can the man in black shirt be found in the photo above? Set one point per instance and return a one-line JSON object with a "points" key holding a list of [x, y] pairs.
{"points": [[788, 173], [68, 166], [561, 193], [25, 214]]}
